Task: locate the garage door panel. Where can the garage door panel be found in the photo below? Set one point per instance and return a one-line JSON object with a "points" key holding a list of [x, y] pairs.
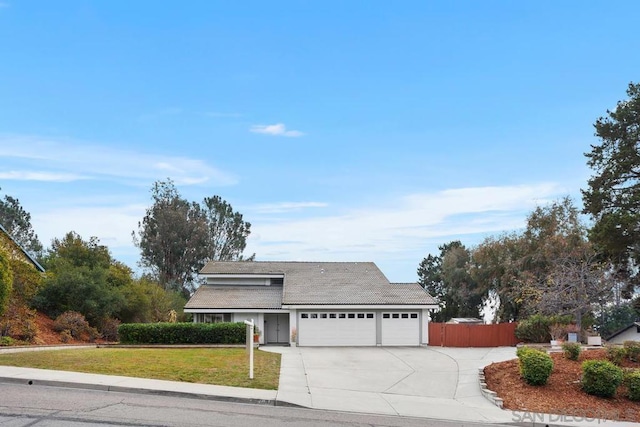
{"points": [[400, 329], [336, 329]]}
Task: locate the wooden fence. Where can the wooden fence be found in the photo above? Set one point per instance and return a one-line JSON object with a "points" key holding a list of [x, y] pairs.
{"points": [[461, 335]]}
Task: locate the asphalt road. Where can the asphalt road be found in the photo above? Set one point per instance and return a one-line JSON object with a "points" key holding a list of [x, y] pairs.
{"points": [[31, 405]]}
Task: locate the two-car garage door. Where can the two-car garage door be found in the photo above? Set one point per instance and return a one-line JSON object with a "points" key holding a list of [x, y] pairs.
{"points": [[358, 328]]}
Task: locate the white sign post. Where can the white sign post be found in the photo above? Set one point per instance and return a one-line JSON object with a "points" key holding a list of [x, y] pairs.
{"points": [[250, 327]]}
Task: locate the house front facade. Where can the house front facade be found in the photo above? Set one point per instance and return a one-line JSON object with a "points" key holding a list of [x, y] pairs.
{"points": [[314, 303], [628, 333]]}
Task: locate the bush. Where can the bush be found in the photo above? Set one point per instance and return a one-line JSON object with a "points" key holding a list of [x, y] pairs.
{"points": [[535, 366], [616, 354], [571, 350], [632, 381], [6, 341], [524, 349], [109, 329], [65, 336], [19, 322], [600, 377], [76, 324], [536, 328], [632, 350], [182, 333]]}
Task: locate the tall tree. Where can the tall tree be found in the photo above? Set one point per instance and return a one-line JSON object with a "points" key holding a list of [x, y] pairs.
{"points": [[77, 279], [613, 196], [172, 238], [228, 232], [512, 266], [446, 278], [576, 283], [17, 222]]}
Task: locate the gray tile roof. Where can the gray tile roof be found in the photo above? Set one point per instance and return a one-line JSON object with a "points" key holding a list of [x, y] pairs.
{"points": [[329, 283], [221, 297]]}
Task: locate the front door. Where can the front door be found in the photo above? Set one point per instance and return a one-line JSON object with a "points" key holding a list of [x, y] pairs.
{"points": [[276, 328]]}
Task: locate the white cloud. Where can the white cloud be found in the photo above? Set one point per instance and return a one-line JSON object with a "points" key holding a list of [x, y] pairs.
{"points": [[402, 227], [72, 160], [286, 207], [111, 224], [40, 176], [279, 129]]}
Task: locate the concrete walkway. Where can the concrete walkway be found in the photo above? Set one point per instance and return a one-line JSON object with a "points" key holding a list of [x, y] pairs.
{"points": [[431, 382]]}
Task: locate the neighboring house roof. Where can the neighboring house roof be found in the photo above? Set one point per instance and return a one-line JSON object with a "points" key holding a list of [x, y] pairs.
{"points": [[17, 247], [619, 331], [327, 283], [224, 297], [465, 320]]}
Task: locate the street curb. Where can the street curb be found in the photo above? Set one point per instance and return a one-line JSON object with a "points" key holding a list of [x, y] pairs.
{"points": [[138, 390]]}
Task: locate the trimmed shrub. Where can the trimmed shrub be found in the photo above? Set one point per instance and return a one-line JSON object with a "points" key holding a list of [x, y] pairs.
{"points": [[632, 350], [182, 333], [616, 354], [522, 350], [571, 350], [632, 381], [535, 366], [600, 377], [76, 324]]}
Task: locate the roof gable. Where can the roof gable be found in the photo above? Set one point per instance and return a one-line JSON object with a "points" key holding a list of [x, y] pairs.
{"points": [[17, 250]]}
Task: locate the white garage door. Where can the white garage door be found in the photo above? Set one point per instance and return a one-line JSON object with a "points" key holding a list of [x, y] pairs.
{"points": [[336, 329], [400, 329]]}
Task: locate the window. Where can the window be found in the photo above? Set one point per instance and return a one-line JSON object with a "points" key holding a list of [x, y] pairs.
{"points": [[314, 315], [385, 315], [332, 315], [305, 315], [341, 315], [369, 315], [395, 315], [351, 316], [414, 315], [360, 315], [405, 315], [277, 281], [323, 315]]}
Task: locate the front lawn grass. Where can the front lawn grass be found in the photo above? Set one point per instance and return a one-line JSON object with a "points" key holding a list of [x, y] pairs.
{"points": [[221, 366]]}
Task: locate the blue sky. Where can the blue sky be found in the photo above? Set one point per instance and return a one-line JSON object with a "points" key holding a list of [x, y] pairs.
{"points": [[342, 130]]}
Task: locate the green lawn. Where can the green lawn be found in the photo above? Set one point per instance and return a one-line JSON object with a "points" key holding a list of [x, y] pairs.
{"points": [[221, 366]]}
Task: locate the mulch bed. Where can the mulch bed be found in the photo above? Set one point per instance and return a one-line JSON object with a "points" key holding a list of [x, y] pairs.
{"points": [[562, 395]]}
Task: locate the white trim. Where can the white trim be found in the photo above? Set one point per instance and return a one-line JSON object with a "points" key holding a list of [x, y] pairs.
{"points": [[360, 307]]}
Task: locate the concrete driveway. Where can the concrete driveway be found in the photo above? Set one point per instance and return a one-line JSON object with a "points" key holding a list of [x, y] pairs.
{"points": [[433, 382]]}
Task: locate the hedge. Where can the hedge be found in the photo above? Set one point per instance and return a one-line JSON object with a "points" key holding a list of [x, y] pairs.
{"points": [[182, 333]]}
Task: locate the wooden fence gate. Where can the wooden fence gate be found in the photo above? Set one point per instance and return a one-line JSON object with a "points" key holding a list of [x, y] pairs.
{"points": [[460, 335]]}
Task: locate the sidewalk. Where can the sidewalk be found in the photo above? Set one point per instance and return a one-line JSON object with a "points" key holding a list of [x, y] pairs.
{"points": [[463, 403]]}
